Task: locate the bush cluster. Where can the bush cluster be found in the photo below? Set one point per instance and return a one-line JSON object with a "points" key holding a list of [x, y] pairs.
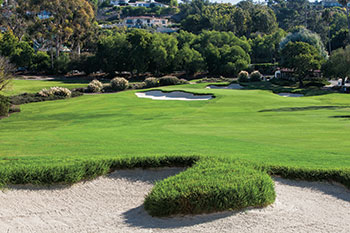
{"points": [[168, 80], [255, 76], [55, 91], [94, 86], [151, 82], [35, 97], [4, 106], [119, 84], [243, 77]]}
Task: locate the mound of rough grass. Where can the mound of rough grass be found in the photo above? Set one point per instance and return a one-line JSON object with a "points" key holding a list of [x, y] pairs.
{"points": [[209, 186]]}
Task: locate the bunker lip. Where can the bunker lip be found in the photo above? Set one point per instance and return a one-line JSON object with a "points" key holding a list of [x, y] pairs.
{"points": [[234, 86], [285, 94], [174, 95]]}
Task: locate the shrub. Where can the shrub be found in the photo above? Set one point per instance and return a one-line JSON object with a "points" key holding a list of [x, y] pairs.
{"points": [[137, 85], [152, 82], [35, 97], [55, 91], [243, 77], [183, 81], [255, 76], [95, 86], [168, 80], [4, 106], [119, 84]]}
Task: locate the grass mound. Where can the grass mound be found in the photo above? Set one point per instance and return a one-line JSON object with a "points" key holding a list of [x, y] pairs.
{"points": [[211, 185]]}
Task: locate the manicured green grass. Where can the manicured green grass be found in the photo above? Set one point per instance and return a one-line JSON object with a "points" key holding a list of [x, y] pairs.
{"points": [[231, 125], [79, 138], [17, 87]]}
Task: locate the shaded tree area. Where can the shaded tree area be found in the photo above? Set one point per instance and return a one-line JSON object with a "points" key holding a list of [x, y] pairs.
{"points": [[139, 51], [243, 19]]}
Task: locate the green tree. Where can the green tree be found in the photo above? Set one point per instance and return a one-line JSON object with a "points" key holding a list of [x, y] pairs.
{"points": [[337, 65], [6, 70], [139, 52], [189, 60], [302, 58], [162, 53], [68, 23], [301, 34], [345, 3]]}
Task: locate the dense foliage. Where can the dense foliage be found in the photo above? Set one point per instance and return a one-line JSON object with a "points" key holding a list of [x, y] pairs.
{"points": [[301, 57], [4, 105], [138, 51]]}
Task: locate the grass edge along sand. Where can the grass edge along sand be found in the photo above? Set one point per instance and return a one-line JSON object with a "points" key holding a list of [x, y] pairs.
{"points": [[208, 185]]}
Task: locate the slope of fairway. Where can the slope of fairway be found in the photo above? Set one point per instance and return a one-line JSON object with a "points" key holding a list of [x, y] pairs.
{"points": [[286, 132]]}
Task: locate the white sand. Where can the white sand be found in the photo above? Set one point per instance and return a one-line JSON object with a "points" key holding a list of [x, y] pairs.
{"points": [[231, 86], [114, 204], [290, 95], [174, 95]]}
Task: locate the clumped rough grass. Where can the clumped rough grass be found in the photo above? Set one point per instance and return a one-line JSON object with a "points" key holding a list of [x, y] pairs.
{"points": [[211, 185]]}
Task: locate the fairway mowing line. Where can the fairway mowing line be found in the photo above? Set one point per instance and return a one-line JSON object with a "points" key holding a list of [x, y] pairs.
{"points": [[113, 203]]}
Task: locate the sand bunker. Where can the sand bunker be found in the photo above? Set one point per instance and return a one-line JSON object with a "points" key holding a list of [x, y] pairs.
{"points": [[114, 204], [174, 95], [290, 95], [231, 86]]}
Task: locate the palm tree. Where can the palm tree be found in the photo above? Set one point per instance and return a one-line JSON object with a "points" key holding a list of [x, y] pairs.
{"points": [[345, 3]]}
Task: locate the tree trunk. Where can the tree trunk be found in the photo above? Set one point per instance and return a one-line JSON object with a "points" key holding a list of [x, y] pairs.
{"points": [[348, 17], [301, 83], [58, 46], [51, 51], [79, 49], [329, 40]]}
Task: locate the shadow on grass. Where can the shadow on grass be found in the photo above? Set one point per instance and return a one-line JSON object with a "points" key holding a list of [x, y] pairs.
{"points": [[346, 116], [308, 108]]}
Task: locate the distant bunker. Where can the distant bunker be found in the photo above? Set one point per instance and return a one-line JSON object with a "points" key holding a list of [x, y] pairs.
{"points": [[290, 95], [231, 86], [173, 95]]}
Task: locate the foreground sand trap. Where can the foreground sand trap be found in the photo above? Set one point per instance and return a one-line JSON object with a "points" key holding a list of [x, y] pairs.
{"points": [[114, 204], [290, 95], [174, 95], [234, 86]]}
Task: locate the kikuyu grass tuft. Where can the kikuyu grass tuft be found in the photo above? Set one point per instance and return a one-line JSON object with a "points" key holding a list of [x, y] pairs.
{"points": [[211, 185]]}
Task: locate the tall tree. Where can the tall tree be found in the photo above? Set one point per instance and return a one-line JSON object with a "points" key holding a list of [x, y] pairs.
{"points": [[6, 70], [327, 17], [337, 65], [65, 21], [302, 58], [345, 3]]}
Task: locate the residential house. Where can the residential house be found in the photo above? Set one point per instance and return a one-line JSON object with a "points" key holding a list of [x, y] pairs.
{"points": [[145, 21]]}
